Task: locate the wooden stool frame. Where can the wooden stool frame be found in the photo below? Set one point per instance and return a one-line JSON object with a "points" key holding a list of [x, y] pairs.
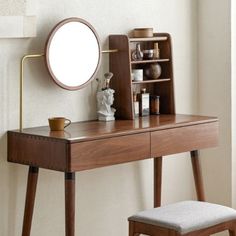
{"points": [[137, 228]]}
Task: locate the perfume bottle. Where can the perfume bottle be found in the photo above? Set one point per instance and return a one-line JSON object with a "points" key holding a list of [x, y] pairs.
{"points": [[156, 53], [136, 104], [144, 108]]}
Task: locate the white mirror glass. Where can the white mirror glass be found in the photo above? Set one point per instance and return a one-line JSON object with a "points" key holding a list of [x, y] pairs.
{"points": [[73, 53]]}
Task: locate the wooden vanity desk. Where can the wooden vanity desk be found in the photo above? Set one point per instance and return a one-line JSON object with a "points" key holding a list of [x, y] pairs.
{"points": [[93, 144]]}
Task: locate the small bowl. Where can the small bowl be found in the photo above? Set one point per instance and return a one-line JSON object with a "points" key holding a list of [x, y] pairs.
{"points": [[148, 54], [143, 32]]}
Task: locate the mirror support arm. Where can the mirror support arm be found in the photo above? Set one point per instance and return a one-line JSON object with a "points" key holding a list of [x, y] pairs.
{"points": [[30, 56], [110, 51], [22, 84]]}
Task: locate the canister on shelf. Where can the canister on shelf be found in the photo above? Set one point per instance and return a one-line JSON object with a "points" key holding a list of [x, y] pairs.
{"points": [[144, 100], [155, 104]]}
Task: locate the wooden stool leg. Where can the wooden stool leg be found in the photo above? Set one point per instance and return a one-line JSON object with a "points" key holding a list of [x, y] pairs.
{"points": [[232, 232], [70, 203], [30, 198], [157, 181], [131, 229], [197, 175]]}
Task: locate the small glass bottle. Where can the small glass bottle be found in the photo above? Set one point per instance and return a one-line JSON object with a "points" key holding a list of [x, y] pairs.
{"points": [[144, 108], [155, 104], [136, 104]]}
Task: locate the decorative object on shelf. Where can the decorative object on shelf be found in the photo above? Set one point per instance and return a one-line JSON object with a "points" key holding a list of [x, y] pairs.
{"points": [[137, 54], [136, 104], [122, 66], [143, 32], [107, 80], [138, 74], [148, 54], [156, 53], [153, 71], [105, 99], [155, 104], [58, 123], [144, 108]]}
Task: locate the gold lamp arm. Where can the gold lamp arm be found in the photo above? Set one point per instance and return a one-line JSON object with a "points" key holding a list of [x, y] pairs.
{"points": [[22, 84], [30, 56]]}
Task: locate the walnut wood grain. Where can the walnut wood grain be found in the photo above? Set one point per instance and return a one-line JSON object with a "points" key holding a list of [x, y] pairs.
{"points": [[29, 200], [69, 204], [119, 64], [92, 144], [37, 151], [166, 90], [184, 139], [74, 151], [94, 130], [197, 173], [139, 228], [94, 154], [157, 163]]}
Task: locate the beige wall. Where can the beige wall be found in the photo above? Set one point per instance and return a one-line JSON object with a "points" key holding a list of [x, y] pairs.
{"points": [[214, 68], [106, 196], [233, 92]]}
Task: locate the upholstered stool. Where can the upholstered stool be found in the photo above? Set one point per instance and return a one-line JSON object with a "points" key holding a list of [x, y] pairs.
{"points": [[189, 218]]}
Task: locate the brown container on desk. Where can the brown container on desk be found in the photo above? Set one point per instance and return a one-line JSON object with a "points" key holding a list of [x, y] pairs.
{"points": [[155, 105]]}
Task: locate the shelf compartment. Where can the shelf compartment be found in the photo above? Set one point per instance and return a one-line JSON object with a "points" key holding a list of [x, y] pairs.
{"points": [[160, 38], [121, 66], [151, 81], [150, 61]]}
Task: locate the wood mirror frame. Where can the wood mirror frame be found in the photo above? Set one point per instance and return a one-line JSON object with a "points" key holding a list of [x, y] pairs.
{"points": [[95, 62]]}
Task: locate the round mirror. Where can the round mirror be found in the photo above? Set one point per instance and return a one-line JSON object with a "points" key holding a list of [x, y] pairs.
{"points": [[73, 53]]}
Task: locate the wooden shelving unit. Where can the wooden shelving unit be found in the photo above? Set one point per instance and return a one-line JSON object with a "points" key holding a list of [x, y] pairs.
{"points": [[149, 61], [155, 39], [121, 66], [150, 81]]}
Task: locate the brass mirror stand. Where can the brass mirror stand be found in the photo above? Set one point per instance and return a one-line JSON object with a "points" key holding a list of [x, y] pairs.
{"points": [[31, 56]]}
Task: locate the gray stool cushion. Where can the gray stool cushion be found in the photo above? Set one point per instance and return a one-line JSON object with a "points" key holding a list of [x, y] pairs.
{"points": [[186, 216]]}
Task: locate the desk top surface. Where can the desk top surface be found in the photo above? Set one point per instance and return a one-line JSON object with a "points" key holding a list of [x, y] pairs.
{"points": [[90, 130]]}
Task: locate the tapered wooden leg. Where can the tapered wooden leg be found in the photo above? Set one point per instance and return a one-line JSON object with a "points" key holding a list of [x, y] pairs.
{"points": [[70, 203], [131, 228], [232, 233], [197, 173], [30, 198], [157, 181]]}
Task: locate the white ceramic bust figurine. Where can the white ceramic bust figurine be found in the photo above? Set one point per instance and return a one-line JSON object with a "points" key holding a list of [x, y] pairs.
{"points": [[105, 99]]}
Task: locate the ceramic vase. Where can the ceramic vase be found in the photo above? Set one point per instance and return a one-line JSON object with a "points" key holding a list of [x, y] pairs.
{"points": [[152, 71]]}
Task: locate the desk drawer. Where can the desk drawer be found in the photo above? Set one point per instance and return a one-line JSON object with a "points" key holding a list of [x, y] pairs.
{"points": [[109, 151], [183, 139]]}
